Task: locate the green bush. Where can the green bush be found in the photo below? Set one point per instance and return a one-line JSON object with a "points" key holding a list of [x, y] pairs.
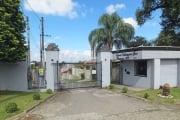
{"points": [[36, 96], [11, 107], [111, 86], [146, 95], [82, 76], [49, 91], [125, 89]]}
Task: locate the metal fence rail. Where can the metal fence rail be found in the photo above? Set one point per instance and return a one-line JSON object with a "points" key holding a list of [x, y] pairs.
{"points": [[85, 84], [75, 75]]}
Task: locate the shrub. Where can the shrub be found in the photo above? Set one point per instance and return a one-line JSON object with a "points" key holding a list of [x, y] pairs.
{"points": [[36, 96], [49, 91], [146, 95], [82, 76], [125, 89], [111, 86], [166, 89], [11, 107]]}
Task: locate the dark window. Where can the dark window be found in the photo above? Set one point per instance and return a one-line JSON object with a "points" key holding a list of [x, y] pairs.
{"points": [[141, 68]]}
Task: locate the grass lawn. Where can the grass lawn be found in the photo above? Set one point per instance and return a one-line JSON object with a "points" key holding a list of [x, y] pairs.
{"points": [[175, 92], [153, 95], [24, 101]]}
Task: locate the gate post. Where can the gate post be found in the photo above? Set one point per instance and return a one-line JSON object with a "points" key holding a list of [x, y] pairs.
{"points": [[105, 58], [52, 58]]}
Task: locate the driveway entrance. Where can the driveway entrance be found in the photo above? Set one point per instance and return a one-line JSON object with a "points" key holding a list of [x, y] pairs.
{"points": [[77, 75], [100, 104]]}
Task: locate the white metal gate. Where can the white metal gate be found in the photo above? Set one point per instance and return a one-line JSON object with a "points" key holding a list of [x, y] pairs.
{"points": [[78, 75]]}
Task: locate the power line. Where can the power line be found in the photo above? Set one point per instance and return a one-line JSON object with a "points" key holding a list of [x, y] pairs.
{"points": [[33, 10]]}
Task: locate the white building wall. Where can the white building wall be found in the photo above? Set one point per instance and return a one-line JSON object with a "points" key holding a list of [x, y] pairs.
{"points": [[150, 73], [159, 72], [137, 81], [163, 66], [169, 72], [13, 76], [147, 54], [156, 73], [160, 54]]}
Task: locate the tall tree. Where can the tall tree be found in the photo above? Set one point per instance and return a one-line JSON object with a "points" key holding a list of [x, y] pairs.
{"points": [[170, 16], [167, 39], [113, 31], [138, 41], [170, 13], [12, 27]]}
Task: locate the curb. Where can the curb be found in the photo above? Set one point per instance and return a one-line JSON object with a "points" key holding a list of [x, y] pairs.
{"points": [[139, 98], [136, 97], [39, 103], [31, 108]]}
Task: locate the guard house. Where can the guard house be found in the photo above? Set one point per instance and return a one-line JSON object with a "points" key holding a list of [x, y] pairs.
{"points": [[146, 67], [149, 67]]}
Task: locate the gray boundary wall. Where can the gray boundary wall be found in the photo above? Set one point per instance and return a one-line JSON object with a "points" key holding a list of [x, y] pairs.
{"points": [[13, 76]]}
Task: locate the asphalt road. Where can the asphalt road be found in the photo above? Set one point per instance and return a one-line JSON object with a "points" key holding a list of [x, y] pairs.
{"points": [[100, 104]]}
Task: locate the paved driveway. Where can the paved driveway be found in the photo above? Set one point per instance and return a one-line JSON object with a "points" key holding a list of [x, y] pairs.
{"points": [[100, 104]]}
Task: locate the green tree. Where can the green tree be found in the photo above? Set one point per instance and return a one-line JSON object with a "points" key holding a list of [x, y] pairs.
{"points": [[170, 17], [166, 39], [170, 13], [113, 31], [138, 41], [12, 27]]}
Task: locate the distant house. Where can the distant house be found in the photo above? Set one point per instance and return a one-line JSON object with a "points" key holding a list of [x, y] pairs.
{"points": [[147, 67]]}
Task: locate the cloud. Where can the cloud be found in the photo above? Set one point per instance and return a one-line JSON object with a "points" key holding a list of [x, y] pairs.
{"points": [[74, 55], [66, 55], [131, 21], [53, 7], [57, 38], [113, 8], [35, 56], [51, 39]]}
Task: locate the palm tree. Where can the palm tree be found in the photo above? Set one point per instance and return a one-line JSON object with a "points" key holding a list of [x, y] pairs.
{"points": [[113, 31]]}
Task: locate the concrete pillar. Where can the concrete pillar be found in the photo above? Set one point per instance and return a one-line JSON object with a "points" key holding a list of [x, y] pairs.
{"points": [[52, 58], [178, 72], [157, 68], [106, 68]]}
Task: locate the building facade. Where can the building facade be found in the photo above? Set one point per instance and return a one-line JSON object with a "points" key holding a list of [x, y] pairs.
{"points": [[146, 67]]}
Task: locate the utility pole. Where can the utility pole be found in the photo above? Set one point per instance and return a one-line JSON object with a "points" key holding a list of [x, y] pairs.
{"points": [[42, 42], [42, 56], [29, 54], [28, 41]]}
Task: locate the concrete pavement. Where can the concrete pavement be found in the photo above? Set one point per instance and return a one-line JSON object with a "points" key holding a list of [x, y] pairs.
{"points": [[100, 104]]}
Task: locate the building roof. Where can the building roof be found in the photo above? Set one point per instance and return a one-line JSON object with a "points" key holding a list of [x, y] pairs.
{"points": [[157, 52], [90, 61], [149, 48], [52, 47]]}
